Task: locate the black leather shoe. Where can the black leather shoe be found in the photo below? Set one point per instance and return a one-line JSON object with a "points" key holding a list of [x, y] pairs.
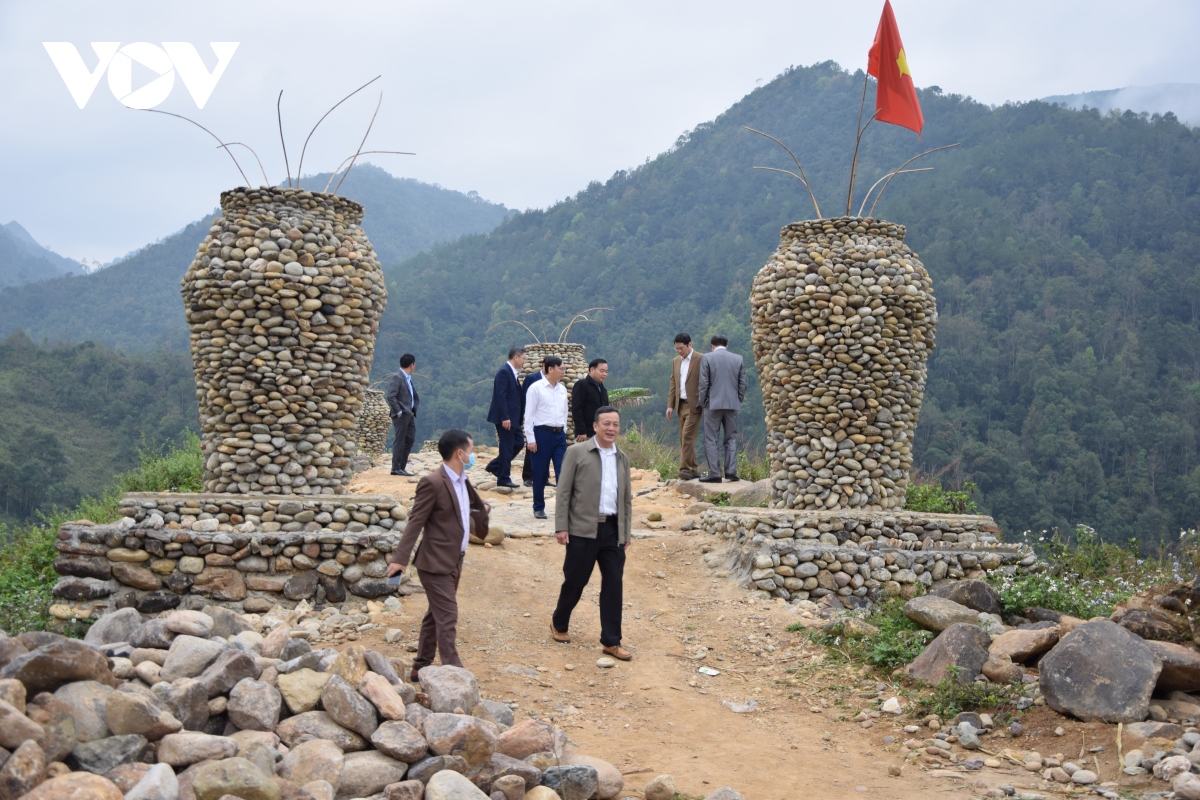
{"points": [[711, 479], [528, 483], [539, 515], [732, 478], [688, 476], [509, 484]]}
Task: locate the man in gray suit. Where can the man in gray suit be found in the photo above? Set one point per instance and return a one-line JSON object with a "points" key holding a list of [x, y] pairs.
{"points": [[722, 390]]}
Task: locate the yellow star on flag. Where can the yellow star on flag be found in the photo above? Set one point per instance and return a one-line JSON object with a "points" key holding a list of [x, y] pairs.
{"points": [[902, 63]]}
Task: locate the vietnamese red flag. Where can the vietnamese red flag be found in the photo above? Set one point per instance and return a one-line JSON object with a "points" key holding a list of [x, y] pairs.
{"points": [[895, 94]]}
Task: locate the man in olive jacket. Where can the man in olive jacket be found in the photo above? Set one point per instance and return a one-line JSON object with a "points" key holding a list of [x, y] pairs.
{"points": [[446, 507], [593, 515]]}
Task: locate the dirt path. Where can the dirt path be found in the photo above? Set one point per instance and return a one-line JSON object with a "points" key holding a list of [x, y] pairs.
{"points": [[656, 714]]}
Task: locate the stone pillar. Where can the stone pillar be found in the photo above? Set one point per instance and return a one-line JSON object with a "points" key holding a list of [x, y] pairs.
{"points": [[843, 319], [283, 300], [575, 361]]}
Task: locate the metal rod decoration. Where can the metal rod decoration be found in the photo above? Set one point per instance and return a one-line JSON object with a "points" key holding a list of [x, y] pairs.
{"points": [[210, 133], [282, 143], [542, 323], [902, 166], [514, 322], [801, 177], [266, 180], [363, 152], [300, 166], [885, 177], [854, 161], [370, 125], [580, 317]]}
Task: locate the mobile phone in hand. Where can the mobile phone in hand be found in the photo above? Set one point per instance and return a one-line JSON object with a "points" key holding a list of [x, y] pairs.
{"points": [[394, 580]]}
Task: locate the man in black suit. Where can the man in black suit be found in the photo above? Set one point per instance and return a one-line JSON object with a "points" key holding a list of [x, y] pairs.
{"points": [[527, 467], [402, 403], [505, 414], [588, 395]]}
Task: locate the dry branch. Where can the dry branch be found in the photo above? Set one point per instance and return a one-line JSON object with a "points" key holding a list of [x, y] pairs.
{"points": [[266, 180], [300, 166], [370, 125], [282, 143], [871, 213], [210, 133]]}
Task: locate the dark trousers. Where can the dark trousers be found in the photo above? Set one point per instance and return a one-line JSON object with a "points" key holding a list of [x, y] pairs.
{"points": [[501, 465], [582, 555], [405, 427], [439, 628], [551, 447]]}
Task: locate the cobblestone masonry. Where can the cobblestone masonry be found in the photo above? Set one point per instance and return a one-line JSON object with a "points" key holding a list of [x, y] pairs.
{"points": [[283, 300], [842, 318], [801, 555], [373, 424], [575, 360]]}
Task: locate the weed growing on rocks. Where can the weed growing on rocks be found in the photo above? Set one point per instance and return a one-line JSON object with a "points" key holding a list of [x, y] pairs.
{"points": [[888, 640], [949, 697], [933, 499]]}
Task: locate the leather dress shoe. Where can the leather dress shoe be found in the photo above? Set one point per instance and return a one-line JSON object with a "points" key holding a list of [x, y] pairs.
{"points": [[528, 483], [619, 653], [711, 479], [559, 636], [412, 676], [688, 476], [539, 515], [732, 478], [509, 483]]}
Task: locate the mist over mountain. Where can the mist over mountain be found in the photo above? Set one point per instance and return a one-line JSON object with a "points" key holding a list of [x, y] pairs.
{"points": [[1180, 99]]}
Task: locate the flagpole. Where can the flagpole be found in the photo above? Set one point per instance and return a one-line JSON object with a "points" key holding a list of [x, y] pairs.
{"points": [[857, 138]]}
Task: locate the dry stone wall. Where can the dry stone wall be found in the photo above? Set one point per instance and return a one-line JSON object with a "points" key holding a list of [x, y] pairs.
{"points": [[843, 319], [575, 362], [373, 424], [283, 300], [799, 555]]}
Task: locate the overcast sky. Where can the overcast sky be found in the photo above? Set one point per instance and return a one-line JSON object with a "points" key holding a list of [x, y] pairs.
{"points": [[524, 102]]}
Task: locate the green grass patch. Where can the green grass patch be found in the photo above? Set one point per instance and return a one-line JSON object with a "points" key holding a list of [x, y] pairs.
{"points": [[950, 697], [931, 498], [650, 451], [898, 641]]}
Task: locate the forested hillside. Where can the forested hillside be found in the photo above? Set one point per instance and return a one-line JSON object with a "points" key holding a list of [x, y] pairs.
{"points": [[134, 305], [1064, 246], [73, 416]]}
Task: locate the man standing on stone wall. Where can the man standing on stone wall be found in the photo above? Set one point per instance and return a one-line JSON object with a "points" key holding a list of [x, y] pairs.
{"points": [[588, 395], [445, 509], [721, 391], [505, 414], [682, 402], [546, 428], [402, 403], [593, 518]]}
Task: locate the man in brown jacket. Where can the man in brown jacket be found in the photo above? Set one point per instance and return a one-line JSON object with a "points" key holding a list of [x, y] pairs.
{"points": [[445, 509], [681, 401], [592, 517]]}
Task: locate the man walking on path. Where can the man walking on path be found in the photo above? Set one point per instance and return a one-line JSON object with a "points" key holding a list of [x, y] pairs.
{"points": [[546, 428], [402, 403], [593, 518], [445, 508], [720, 393], [682, 402], [527, 464], [505, 414], [588, 395]]}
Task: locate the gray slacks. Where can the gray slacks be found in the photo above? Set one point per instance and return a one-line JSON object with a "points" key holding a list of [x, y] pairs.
{"points": [[714, 420]]}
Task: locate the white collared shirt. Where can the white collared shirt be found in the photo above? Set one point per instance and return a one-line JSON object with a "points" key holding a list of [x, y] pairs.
{"points": [[608, 480], [459, 484], [685, 364], [516, 374], [545, 405]]}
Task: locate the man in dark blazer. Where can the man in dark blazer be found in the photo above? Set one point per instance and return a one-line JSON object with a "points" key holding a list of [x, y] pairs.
{"points": [[445, 509], [402, 403], [588, 395], [527, 467], [505, 414]]}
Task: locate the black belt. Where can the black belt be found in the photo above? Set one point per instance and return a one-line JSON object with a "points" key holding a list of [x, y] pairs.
{"points": [[602, 519], [550, 428]]}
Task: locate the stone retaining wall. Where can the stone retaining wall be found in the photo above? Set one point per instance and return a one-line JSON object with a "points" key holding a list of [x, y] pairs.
{"points": [[246, 513], [798, 555]]}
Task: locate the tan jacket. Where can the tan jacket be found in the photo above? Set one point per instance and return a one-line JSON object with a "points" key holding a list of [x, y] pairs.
{"points": [[693, 383], [577, 498], [435, 512]]}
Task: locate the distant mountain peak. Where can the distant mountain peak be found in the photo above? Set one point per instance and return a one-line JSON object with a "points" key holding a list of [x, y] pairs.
{"points": [[1180, 99], [24, 260]]}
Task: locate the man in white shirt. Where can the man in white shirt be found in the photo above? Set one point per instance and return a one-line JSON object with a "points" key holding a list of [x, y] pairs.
{"points": [[546, 428], [593, 519], [683, 402]]}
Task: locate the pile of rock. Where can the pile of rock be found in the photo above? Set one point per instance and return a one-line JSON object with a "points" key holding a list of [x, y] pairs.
{"points": [[843, 318], [575, 362], [195, 705], [154, 566], [374, 420], [283, 300]]}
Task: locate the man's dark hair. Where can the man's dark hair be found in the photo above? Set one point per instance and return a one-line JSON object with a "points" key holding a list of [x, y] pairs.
{"points": [[595, 362], [719, 341], [514, 352], [407, 360], [452, 441], [605, 410], [551, 361], [683, 338]]}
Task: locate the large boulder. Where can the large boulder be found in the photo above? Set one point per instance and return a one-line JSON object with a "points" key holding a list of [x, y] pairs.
{"points": [[449, 688], [236, 776], [1100, 671], [383, 695], [1180, 667], [1023, 644], [531, 736], [133, 709], [232, 665], [254, 705], [23, 770], [159, 783], [318, 725], [15, 727], [958, 653], [500, 766], [368, 772], [48, 667], [189, 656], [301, 689], [400, 740], [348, 708], [185, 749], [1153, 624], [87, 700], [76, 786], [1135, 734], [447, 785], [975, 594], [104, 755], [314, 760], [938, 613], [460, 735], [116, 626], [572, 780], [611, 781], [58, 725]]}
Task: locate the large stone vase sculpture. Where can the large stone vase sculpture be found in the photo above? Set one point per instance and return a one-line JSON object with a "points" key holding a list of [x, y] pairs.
{"points": [[283, 300], [843, 320]]}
